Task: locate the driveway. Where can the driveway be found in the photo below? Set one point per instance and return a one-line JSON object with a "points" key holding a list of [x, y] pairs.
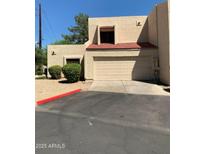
{"points": [[104, 123], [130, 87]]}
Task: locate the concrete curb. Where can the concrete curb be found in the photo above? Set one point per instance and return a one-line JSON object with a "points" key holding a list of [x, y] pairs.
{"points": [[47, 100]]}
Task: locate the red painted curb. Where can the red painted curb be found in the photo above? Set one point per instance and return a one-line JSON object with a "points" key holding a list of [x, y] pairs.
{"points": [[57, 97]]}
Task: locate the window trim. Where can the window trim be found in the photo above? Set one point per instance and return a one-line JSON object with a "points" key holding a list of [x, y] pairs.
{"points": [[106, 28], [80, 57]]}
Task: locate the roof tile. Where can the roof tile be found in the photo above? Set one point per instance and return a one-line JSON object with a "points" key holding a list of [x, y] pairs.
{"points": [[132, 45]]}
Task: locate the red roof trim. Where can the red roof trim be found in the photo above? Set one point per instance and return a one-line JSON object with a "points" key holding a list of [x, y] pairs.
{"points": [[106, 46]]}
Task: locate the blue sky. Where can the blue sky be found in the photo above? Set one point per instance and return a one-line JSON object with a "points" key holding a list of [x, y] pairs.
{"points": [[57, 15]]}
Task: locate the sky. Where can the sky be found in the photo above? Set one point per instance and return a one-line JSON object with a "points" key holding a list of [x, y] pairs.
{"points": [[57, 15]]}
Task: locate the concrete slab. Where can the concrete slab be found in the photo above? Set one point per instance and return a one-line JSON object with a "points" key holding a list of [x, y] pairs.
{"points": [[108, 86], [138, 87], [130, 87]]}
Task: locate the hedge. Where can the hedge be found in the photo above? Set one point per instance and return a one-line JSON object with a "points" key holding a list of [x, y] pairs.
{"points": [[72, 72], [39, 70], [55, 71]]}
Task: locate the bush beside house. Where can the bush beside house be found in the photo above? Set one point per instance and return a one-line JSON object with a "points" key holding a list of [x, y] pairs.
{"points": [[72, 72], [40, 60], [55, 71], [39, 70]]}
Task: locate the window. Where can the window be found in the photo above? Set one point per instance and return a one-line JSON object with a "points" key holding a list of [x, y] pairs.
{"points": [[76, 60], [107, 35]]}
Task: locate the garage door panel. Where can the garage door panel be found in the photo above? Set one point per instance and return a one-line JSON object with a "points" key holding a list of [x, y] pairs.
{"points": [[114, 58], [113, 68], [122, 68]]}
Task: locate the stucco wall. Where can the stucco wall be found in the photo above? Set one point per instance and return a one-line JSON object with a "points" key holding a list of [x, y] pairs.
{"points": [[126, 29], [89, 57], [152, 27], [163, 42], [62, 52], [158, 33]]}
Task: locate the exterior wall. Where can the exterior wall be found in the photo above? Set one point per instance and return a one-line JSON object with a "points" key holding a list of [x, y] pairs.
{"points": [[90, 55], [163, 42], [126, 29], [158, 29], [152, 27], [62, 52]]}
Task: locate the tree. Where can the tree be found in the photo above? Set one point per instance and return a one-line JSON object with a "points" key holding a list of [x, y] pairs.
{"points": [[61, 42], [79, 33], [40, 56], [40, 60]]}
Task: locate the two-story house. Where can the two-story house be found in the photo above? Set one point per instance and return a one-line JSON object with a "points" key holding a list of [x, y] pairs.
{"points": [[121, 48]]}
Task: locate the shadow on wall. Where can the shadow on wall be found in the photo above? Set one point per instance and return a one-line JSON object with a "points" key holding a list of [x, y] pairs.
{"points": [[143, 37], [95, 38], [82, 70], [142, 70]]}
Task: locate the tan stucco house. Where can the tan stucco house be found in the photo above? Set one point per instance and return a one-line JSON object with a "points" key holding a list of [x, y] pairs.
{"points": [[121, 48]]}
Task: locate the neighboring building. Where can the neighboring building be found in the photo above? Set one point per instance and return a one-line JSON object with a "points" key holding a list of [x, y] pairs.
{"points": [[121, 48]]}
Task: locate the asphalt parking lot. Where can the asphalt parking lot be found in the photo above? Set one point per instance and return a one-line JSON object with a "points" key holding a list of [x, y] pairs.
{"points": [[104, 123]]}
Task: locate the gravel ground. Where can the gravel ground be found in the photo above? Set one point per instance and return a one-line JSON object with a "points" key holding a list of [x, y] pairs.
{"points": [[46, 87]]}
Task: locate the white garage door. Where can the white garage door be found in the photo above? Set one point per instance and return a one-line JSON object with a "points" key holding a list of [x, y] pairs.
{"points": [[122, 68]]}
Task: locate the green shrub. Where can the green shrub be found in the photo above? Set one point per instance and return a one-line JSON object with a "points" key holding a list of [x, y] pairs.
{"points": [[40, 56], [55, 71], [38, 70], [72, 72]]}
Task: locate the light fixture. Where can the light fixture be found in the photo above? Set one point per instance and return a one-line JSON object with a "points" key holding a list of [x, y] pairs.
{"points": [[138, 23], [53, 53]]}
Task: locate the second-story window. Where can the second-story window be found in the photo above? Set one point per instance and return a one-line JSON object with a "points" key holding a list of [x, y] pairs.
{"points": [[107, 35]]}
